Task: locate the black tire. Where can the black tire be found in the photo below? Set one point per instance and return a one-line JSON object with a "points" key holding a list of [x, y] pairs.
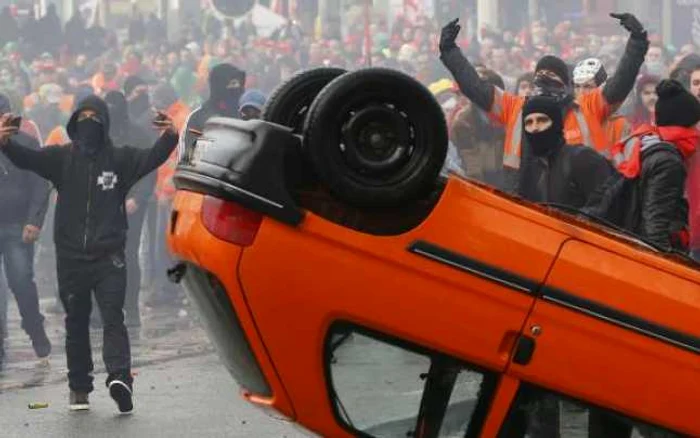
{"points": [[408, 138], [289, 102]]}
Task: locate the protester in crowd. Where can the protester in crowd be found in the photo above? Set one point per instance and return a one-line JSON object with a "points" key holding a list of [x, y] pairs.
{"points": [[569, 175], [585, 117], [226, 85], [93, 179], [23, 198], [525, 84], [163, 291], [649, 199], [642, 112], [123, 132]]}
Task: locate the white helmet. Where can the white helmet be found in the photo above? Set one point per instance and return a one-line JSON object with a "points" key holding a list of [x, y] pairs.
{"points": [[590, 69]]}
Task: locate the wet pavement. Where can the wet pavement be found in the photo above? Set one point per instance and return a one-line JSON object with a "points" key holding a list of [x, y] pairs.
{"points": [[165, 334]]}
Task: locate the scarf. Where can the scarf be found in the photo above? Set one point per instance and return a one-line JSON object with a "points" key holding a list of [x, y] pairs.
{"points": [[627, 153]]}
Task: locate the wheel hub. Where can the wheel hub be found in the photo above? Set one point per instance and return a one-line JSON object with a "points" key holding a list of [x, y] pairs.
{"points": [[376, 140]]}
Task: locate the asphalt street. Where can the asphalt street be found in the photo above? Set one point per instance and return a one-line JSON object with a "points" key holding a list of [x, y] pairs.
{"points": [[193, 397]]}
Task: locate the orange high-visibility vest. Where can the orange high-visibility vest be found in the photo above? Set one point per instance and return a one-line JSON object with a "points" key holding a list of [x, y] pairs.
{"points": [[583, 124]]}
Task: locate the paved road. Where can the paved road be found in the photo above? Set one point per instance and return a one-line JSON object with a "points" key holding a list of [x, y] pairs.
{"points": [[192, 397]]}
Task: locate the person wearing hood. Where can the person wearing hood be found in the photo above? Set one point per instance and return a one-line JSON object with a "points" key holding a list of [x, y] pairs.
{"points": [[139, 101], [557, 173], [654, 159], [226, 86], [124, 132], [93, 179], [584, 117], [24, 199]]}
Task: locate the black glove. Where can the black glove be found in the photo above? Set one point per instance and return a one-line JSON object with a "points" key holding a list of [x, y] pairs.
{"points": [[449, 35], [630, 22]]}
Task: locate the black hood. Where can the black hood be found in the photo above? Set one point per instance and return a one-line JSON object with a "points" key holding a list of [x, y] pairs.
{"points": [[221, 75], [222, 98], [96, 104], [118, 111]]}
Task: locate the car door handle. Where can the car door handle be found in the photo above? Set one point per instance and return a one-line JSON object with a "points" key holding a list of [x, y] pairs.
{"points": [[524, 350]]}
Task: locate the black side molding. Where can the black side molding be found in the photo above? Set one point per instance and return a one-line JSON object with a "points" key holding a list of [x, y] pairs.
{"points": [[621, 319], [475, 267], [558, 297]]}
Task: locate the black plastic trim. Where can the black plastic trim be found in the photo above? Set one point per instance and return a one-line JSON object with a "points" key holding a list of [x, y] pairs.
{"points": [[254, 163], [524, 350], [482, 270], [559, 297], [622, 319]]}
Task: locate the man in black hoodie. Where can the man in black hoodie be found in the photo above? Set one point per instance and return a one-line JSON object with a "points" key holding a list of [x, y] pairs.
{"points": [[23, 197], [124, 132], [557, 173], [93, 179], [226, 86]]}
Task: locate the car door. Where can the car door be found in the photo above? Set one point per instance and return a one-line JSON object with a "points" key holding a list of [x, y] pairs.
{"points": [[618, 328], [459, 285]]}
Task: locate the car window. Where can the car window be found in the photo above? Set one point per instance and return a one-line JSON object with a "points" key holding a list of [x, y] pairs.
{"points": [[383, 388], [537, 412]]}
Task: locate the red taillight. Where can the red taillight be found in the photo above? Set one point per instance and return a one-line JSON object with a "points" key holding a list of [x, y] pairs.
{"points": [[230, 221]]}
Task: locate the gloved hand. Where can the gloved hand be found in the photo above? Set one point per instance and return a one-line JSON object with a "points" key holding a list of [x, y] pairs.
{"points": [[632, 24], [449, 35]]}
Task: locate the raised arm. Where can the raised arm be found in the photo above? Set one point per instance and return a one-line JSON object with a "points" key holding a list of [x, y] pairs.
{"points": [[619, 86], [476, 89]]}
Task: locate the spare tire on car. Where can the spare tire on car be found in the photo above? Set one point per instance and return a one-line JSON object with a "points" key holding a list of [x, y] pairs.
{"points": [[290, 101], [376, 137]]}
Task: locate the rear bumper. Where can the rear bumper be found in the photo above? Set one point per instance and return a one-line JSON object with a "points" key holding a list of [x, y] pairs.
{"points": [[211, 280]]}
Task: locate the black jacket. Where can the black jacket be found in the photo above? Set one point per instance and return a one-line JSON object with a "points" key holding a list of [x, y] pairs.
{"points": [[568, 175], [90, 217], [653, 205], [23, 195]]}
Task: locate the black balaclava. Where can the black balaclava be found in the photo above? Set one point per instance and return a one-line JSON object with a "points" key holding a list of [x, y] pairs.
{"points": [[142, 103], [226, 86], [118, 113], [550, 87], [543, 143], [88, 136]]}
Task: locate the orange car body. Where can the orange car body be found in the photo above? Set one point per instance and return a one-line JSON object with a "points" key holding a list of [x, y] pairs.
{"points": [[613, 323]]}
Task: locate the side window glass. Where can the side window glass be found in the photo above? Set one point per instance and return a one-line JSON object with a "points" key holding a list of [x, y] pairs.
{"points": [[387, 389], [540, 413]]}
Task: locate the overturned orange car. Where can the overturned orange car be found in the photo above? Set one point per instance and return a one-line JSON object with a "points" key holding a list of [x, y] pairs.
{"points": [[351, 288]]}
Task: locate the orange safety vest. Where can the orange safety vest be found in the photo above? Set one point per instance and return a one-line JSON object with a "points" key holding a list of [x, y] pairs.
{"points": [[617, 128], [583, 124]]}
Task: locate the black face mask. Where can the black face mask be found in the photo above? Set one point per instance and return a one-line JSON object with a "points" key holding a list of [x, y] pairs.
{"points": [[90, 138], [544, 85], [545, 142]]}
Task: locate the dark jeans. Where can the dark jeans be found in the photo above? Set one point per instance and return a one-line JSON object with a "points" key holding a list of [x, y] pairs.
{"points": [[133, 278], [106, 278], [18, 263]]}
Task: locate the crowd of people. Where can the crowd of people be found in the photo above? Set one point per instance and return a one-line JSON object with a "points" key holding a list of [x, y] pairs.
{"points": [[513, 102]]}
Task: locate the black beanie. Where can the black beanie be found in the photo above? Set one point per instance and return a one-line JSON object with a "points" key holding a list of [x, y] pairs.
{"points": [[546, 105], [556, 66], [676, 106]]}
